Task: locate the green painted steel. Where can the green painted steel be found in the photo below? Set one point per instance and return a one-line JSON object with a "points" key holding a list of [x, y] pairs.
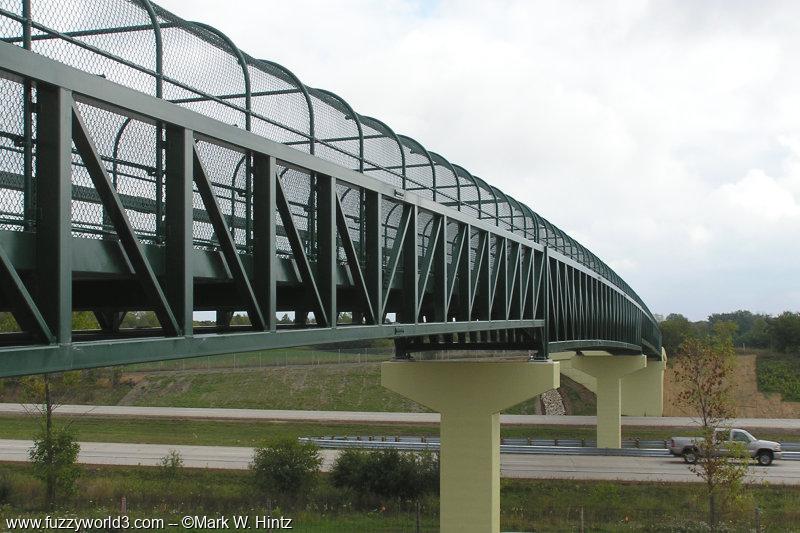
{"points": [[207, 180]]}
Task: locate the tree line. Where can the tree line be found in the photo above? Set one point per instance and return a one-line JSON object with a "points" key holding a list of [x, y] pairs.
{"points": [[750, 330]]}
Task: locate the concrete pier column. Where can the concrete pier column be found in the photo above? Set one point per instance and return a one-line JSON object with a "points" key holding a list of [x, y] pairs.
{"points": [[643, 390], [469, 395], [609, 370]]}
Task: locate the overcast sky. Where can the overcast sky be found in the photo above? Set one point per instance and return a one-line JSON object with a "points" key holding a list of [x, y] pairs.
{"points": [[665, 136]]}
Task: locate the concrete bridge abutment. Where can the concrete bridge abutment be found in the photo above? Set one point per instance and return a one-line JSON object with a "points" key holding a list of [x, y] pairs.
{"points": [[469, 396]]}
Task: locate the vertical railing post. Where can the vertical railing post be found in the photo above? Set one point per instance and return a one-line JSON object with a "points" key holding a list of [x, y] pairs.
{"points": [[326, 261], [265, 259], [465, 280], [179, 221], [28, 204], [374, 252], [53, 202], [544, 277], [159, 78], [410, 293], [441, 283], [484, 289]]}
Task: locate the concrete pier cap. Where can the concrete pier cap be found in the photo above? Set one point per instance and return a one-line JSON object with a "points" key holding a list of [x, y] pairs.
{"points": [[642, 391], [469, 395], [608, 371]]}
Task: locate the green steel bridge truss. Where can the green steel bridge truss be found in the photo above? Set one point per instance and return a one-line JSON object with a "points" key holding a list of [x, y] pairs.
{"points": [[146, 163]]}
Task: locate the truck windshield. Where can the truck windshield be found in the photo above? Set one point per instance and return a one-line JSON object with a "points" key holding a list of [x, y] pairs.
{"points": [[743, 436]]}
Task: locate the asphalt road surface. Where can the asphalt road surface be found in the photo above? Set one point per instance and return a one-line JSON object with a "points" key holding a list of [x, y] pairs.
{"points": [[511, 465], [374, 417]]}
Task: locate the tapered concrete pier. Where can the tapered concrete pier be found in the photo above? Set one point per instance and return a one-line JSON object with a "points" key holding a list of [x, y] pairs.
{"points": [[469, 396]]}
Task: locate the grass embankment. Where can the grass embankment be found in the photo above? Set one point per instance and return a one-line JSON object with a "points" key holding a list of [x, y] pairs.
{"points": [[255, 432], [334, 387], [313, 380], [779, 373], [351, 387], [546, 505], [578, 400], [346, 387]]}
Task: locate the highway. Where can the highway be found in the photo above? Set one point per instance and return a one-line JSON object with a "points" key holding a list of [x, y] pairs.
{"points": [[373, 417], [512, 466]]}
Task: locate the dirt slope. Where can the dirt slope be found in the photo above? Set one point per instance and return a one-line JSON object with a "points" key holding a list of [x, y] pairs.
{"points": [[751, 403]]}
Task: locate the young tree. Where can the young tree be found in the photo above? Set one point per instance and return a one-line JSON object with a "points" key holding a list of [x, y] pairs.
{"points": [[171, 465], [55, 451], [705, 375]]}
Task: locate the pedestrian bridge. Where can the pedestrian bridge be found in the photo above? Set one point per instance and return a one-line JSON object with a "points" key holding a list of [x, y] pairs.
{"points": [[148, 164]]}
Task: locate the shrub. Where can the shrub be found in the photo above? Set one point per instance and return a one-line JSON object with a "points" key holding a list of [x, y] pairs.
{"points": [[779, 375], [54, 457], [286, 467], [388, 474], [350, 471], [171, 464], [5, 488]]}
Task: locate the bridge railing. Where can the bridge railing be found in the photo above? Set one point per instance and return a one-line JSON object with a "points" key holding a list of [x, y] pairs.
{"points": [[138, 44]]}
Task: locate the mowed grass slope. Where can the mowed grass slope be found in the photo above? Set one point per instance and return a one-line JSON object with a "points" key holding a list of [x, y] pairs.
{"points": [[253, 384], [339, 387], [346, 387]]}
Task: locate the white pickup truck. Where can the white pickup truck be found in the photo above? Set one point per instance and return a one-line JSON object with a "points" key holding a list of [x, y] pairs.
{"points": [[763, 451]]}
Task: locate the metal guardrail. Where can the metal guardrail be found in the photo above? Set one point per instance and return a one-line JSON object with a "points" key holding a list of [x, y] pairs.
{"points": [[791, 451]]}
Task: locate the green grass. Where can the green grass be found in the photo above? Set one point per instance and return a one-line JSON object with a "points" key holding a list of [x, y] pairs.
{"points": [[526, 505], [256, 385], [346, 387], [779, 373], [352, 387], [254, 432], [577, 399], [197, 432]]}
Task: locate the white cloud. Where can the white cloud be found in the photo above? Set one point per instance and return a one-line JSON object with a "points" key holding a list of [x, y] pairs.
{"points": [[699, 235], [761, 196], [664, 135]]}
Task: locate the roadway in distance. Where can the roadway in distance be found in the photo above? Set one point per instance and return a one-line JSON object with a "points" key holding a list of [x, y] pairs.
{"points": [[665, 469]]}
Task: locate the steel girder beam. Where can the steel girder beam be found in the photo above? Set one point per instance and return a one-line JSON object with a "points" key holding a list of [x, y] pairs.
{"points": [[24, 360]]}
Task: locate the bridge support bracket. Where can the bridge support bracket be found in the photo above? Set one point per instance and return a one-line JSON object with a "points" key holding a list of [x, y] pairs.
{"points": [[469, 396], [609, 370]]}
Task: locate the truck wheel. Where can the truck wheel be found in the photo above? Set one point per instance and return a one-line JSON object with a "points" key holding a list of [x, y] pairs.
{"points": [[764, 457], [690, 456]]}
